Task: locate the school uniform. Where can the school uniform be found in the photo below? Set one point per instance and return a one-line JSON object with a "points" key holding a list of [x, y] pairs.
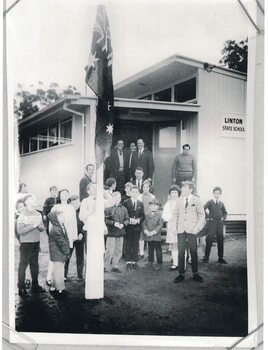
{"points": [[217, 213], [153, 222], [136, 211]]}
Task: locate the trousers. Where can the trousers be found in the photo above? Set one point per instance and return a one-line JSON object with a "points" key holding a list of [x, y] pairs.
{"points": [[29, 253], [132, 246], [180, 179], [155, 246], [113, 252], [79, 252], [190, 240], [58, 275], [215, 228]]}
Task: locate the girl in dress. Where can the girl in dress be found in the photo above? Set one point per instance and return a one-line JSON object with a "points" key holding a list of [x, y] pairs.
{"points": [[171, 219]]}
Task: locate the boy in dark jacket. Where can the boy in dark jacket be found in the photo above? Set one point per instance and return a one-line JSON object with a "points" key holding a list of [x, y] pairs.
{"points": [[59, 251], [216, 214], [152, 227], [49, 204], [116, 220]]}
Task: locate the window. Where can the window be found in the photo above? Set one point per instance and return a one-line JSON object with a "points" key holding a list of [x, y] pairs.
{"points": [[66, 131], [168, 137], [56, 134], [148, 97], [164, 95], [185, 91]]}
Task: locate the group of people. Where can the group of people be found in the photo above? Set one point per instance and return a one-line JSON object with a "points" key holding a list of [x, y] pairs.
{"points": [[133, 216]]}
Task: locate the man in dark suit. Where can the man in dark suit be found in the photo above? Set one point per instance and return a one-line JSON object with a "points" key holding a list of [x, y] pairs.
{"points": [[131, 170], [136, 216], [138, 178], [118, 163], [143, 158], [88, 177]]}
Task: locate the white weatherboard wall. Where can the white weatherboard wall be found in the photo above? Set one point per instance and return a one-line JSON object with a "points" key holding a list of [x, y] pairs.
{"points": [[221, 160], [60, 166]]}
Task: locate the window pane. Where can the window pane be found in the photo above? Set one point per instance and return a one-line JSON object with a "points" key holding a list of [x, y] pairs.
{"points": [[33, 143], [25, 145], [168, 137], [53, 135], [42, 139], [164, 95], [185, 91], [148, 97], [66, 132]]}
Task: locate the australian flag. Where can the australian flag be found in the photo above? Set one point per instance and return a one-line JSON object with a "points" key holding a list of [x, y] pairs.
{"points": [[99, 78]]}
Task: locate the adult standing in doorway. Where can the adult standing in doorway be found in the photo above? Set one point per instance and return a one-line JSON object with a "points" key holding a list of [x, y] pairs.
{"points": [[119, 160], [184, 166], [88, 178], [132, 150], [143, 158]]}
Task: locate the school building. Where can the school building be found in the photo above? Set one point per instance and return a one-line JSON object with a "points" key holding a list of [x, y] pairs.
{"points": [[177, 101]]}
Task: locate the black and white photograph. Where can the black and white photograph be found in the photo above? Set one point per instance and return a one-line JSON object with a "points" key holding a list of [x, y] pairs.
{"points": [[131, 184]]}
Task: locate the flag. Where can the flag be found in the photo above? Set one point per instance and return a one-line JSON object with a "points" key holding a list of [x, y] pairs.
{"points": [[99, 78]]}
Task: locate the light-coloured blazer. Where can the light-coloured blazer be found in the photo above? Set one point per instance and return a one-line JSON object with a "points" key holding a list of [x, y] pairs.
{"points": [[191, 219]]}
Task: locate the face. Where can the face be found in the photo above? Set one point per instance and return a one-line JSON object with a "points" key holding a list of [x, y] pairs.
{"points": [[139, 174], [174, 194], [90, 170], [117, 199], [31, 202], [186, 191], [20, 206], [186, 150], [134, 193], [120, 145], [217, 195], [24, 189], [146, 188], [127, 189], [153, 207], [140, 144], [64, 196], [76, 203], [54, 193], [93, 190], [132, 147], [61, 218]]}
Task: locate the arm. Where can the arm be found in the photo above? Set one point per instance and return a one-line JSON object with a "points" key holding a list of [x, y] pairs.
{"points": [[224, 212], [150, 165], [174, 168], [61, 242], [166, 215], [23, 228], [201, 217], [85, 211], [194, 167], [45, 208], [142, 216], [108, 220], [82, 188], [206, 208], [126, 218], [159, 226]]}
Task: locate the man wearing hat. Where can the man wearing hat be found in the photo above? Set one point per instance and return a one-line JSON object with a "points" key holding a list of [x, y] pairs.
{"points": [[152, 227]]}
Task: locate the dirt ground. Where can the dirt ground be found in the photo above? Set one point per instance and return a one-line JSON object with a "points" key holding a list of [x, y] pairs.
{"points": [[146, 302]]}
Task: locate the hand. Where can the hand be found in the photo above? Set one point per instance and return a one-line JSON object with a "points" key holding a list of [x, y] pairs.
{"points": [[117, 225], [40, 227], [193, 179], [80, 237], [146, 232], [174, 179], [138, 221], [153, 233], [120, 226]]}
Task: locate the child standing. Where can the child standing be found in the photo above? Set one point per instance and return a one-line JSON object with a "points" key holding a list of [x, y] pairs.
{"points": [[145, 197], [29, 226], [152, 227], [216, 214], [116, 219], [128, 187], [58, 250], [170, 217]]}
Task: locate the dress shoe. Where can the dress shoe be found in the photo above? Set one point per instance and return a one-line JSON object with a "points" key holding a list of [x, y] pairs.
{"points": [[129, 267], [116, 269], [173, 268], [197, 278], [222, 261], [179, 279], [27, 283], [37, 289], [205, 260], [23, 292], [140, 256], [49, 283]]}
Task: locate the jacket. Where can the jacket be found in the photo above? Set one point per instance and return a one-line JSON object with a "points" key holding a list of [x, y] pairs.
{"points": [[114, 163], [116, 214], [83, 187], [146, 162], [153, 222], [192, 218], [48, 205], [58, 240], [137, 213]]}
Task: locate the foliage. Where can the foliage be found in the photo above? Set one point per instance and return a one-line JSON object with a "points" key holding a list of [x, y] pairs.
{"points": [[235, 55], [27, 103]]}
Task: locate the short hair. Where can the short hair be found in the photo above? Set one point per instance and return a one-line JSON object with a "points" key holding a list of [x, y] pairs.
{"points": [[119, 141], [90, 165], [146, 182], [186, 145], [139, 169], [135, 188], [25, 198], [174, 188], [217, 188], [21, 185], [116, 193], [110, 181], [190, 184], [74, 198], [53, 188], [128, 184], [18, 202], [89, 185]]}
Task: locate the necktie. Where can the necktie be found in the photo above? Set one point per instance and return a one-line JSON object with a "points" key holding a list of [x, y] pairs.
{"points": [[120, 152], [139, 154], [139, 184], [134, 205], [186, 202]]}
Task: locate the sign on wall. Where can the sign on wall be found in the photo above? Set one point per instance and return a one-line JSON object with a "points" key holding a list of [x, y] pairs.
{"points": [[233, 125]]}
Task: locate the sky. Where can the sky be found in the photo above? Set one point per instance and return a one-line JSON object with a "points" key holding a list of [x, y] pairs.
{"points": [[49, 40]]}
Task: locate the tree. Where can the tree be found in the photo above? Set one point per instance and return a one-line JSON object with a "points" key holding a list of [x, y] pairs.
{"points": [[27, 103], [235, 55]]}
